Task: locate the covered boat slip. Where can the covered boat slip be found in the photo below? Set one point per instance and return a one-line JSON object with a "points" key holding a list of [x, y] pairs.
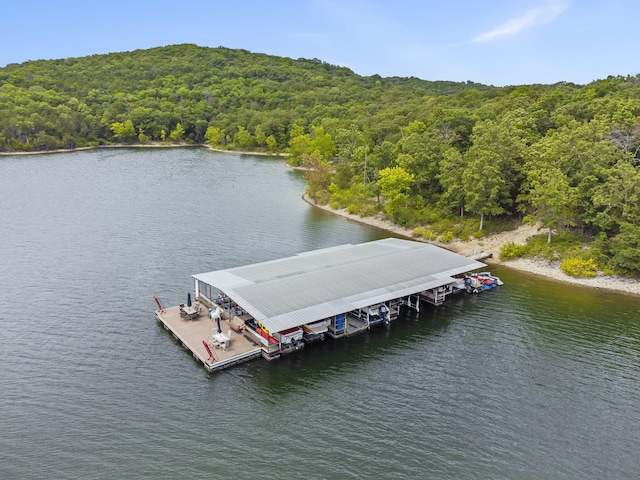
{"points": [[277, 306], [325, 284]]}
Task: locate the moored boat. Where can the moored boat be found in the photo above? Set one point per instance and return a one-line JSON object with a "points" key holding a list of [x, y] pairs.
{"points": [[477, 282]]}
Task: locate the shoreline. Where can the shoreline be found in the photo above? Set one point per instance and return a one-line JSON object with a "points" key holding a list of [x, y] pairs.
{"points": [[492, 244], [150, 145]]}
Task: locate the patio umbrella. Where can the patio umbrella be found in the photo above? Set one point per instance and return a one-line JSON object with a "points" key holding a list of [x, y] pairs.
{"points": [[188, 299], [215, 315]]}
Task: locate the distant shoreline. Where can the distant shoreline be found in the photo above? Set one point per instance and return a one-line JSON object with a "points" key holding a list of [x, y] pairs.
{"points": [[491, 245], [46, 152], [150, 145]]}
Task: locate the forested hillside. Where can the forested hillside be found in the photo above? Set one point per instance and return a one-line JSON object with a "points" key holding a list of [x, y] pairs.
{"points": [[181, 90], [450, 159]]}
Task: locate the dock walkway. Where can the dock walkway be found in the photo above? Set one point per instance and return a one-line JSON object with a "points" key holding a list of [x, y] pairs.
{"points": [[191, 333]]}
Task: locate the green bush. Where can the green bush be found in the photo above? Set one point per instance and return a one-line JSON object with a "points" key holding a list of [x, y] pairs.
{"points": [[368, 210], [446, 237], [511, 250], [578, 267], [429, 215], [607, 270], [417, 232], [563, 245]]}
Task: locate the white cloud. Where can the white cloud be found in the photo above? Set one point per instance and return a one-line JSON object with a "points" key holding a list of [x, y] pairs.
{"points": [[537, 16]]}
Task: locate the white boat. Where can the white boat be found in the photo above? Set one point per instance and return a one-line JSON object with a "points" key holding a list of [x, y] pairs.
{"points": [[315, 330]]}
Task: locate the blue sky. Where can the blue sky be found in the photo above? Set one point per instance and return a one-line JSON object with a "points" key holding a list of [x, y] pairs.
{"points": [[497, 42]]}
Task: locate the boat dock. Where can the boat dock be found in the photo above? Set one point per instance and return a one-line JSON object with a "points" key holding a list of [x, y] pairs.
{"points": [[280, 306], [190, 333]]}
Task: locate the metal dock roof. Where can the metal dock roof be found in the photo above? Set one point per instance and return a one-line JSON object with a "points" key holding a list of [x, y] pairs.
{"points": [[315, 285]]}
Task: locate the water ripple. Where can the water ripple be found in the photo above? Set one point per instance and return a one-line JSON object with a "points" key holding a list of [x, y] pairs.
{"points": [[535, 380]]}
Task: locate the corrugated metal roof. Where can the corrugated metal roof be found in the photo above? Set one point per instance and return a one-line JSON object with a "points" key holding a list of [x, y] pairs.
{"points": [[314, 285]]}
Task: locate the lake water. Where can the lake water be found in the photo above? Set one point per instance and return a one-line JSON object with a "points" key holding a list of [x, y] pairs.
{"points": [[535, 380]]}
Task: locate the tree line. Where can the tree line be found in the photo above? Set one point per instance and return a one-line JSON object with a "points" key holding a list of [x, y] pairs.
{"points": [[565, 156], [175, 93], [450, 159]]}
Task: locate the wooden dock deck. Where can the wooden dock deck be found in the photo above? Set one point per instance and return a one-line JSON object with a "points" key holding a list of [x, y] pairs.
{"points": [[191, 333]]}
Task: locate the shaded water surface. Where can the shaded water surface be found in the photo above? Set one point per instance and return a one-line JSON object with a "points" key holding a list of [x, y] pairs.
{"points": [[535, 380]]}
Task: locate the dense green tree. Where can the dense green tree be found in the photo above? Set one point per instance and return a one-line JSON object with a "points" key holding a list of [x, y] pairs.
{"points": [[420, 152], [272, 143], [302, 143], [322, 143], [259, 136], [618, 197], [484, 185], [491, 169], [581, 153], [243, 138], [625, 249], [123, 132], [177, 134], [395, 184], [450, 178], [201, 127], [395, 181], [214, 136], [299, 145], [551, 197], [416, 127], [563, 154], [42, 141], [347, 139], [383, 156], [343, 175], [318, 176]]}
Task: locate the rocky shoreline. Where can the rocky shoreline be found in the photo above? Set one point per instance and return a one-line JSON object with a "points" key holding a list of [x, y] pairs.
{"points": [[491, 245]]}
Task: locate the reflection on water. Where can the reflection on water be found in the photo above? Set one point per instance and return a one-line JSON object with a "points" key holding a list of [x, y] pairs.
{"points": [[533, 380]]}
